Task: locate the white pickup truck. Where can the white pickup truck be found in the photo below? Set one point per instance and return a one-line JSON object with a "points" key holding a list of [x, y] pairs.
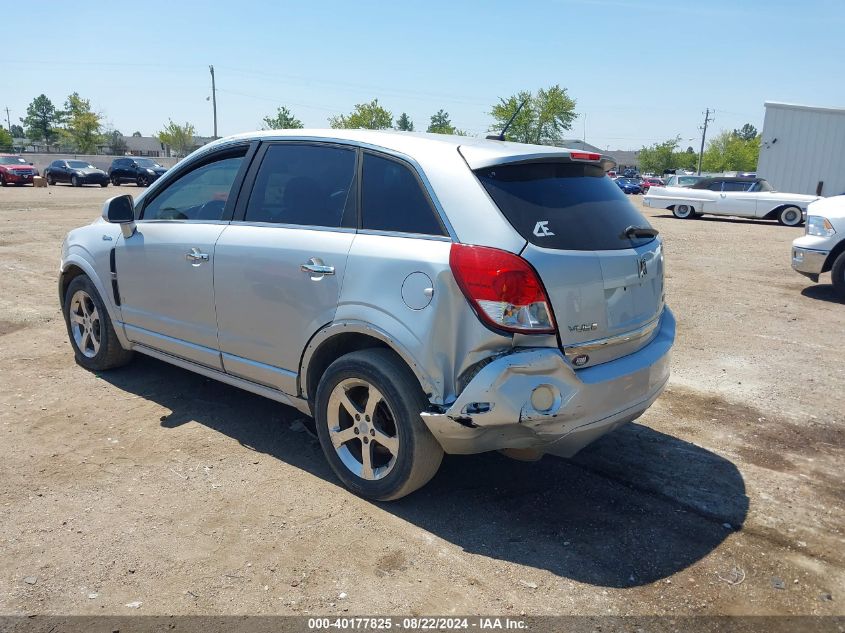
{"points": [[822, 247], [731, 195]]}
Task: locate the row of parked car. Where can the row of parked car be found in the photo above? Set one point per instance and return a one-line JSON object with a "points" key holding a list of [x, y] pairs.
{"points": [[16, 170]]}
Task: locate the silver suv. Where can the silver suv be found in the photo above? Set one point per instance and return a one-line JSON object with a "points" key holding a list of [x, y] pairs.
{"points": [[415, 294]]}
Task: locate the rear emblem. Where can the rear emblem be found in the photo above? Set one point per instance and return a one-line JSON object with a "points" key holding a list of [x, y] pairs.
{"points": [[583, 327], [642, 268], [541, 229]]}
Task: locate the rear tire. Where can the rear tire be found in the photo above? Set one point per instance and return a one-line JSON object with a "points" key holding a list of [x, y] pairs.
{"points": [[3, 181], [370, 401], [50, 180], [104, 184], [92, 336], [683, 211], [790, 216], [837, 276], [115, 181]]}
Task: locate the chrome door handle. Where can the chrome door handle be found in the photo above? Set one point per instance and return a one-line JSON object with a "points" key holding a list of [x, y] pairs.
{"points": [[317, 269], [196, 257]]}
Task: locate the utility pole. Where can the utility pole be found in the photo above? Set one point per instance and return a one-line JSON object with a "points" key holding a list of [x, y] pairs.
{"points": [[585, 128], [213, 99], [8, 120], [703, 129]]}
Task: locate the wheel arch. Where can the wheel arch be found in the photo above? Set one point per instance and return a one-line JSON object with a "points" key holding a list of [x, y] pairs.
{"points": [[339, 338], [68, 274], [76, 265], [773, 214], [835, 252]]}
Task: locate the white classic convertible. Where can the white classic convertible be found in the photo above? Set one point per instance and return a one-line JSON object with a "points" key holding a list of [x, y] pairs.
{"points": [[731, 195]]}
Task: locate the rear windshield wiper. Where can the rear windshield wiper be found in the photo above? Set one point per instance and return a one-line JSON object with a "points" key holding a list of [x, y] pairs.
{"points": [[639, 231]]}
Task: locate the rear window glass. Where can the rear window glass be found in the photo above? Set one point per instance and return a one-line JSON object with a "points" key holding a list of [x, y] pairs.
{"points": [[567, 206]]}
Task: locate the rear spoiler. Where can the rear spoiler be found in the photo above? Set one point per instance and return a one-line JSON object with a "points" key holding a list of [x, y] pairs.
{"points": [[479, 158]]}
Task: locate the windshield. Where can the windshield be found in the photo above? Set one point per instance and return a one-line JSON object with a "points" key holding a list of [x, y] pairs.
{"points": [[146, 162], [688, 180], [80, 164], [567, 206], [12, 160]]}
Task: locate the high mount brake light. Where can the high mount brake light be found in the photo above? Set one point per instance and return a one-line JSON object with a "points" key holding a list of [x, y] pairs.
{"points": [[584, 156], [502, 288]]}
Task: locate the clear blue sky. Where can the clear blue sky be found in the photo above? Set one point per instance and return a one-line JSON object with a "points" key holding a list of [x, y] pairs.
{"points": [[640, 70]]}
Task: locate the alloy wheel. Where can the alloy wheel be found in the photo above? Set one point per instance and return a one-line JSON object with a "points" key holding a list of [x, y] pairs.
{"points": [[85, 323], [362, 429]]}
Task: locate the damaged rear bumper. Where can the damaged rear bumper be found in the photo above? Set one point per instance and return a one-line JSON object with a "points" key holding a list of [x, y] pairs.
{"points": [[534, 399]]}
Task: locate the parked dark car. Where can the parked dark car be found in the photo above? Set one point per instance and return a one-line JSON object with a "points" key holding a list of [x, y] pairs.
{"points": [[76, 172], [629, 185], [15, 170], [630, 173], [141, 171]]}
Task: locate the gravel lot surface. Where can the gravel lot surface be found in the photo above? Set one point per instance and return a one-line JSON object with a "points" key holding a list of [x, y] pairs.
{"points": [[152, 490]]}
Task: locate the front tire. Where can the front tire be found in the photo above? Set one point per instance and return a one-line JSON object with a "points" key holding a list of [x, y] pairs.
{"points": [[90, 329], [104, 184], [790, 216], [367, 413], [683, 211], [142, 181], [75, 182], [837, 276], [3, 182]]}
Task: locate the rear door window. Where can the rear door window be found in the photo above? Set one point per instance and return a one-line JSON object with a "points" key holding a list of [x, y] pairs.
{"points": [[566, 206], [393, 199], [309, 185]]}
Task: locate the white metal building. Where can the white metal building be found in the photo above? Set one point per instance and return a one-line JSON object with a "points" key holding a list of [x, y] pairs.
{"points": [[803, 149]]}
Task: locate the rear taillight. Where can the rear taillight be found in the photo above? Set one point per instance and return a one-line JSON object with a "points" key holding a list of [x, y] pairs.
{"points": [[502, 288]]}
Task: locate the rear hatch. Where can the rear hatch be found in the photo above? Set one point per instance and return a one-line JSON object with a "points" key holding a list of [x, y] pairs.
{"points": [[605, 283]]}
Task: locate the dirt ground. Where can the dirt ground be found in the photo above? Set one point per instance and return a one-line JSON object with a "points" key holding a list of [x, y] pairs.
{"points": [[153, 487]]}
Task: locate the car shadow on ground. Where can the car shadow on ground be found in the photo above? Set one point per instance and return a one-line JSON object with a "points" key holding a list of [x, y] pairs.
{"points": [[822, 292], [635, 507], [722, 218]]}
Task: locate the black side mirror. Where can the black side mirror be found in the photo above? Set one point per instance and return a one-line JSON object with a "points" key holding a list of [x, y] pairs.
{"points": [[119, 210]]}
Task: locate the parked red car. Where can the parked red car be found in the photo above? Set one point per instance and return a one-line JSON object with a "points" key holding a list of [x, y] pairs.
{"points": [[14, 170], [648, 183]]}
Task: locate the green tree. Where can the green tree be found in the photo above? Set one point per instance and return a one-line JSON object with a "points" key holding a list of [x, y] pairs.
{"points": [[179, 137], [404, 123], [440, 123], [116, 143], [136, 134], [729, 151], [368, 116], [659, 157], [746, 132], [82, 125], [5, 140], [282, 120], [17, 131], [41, 119], [543, 118]]}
